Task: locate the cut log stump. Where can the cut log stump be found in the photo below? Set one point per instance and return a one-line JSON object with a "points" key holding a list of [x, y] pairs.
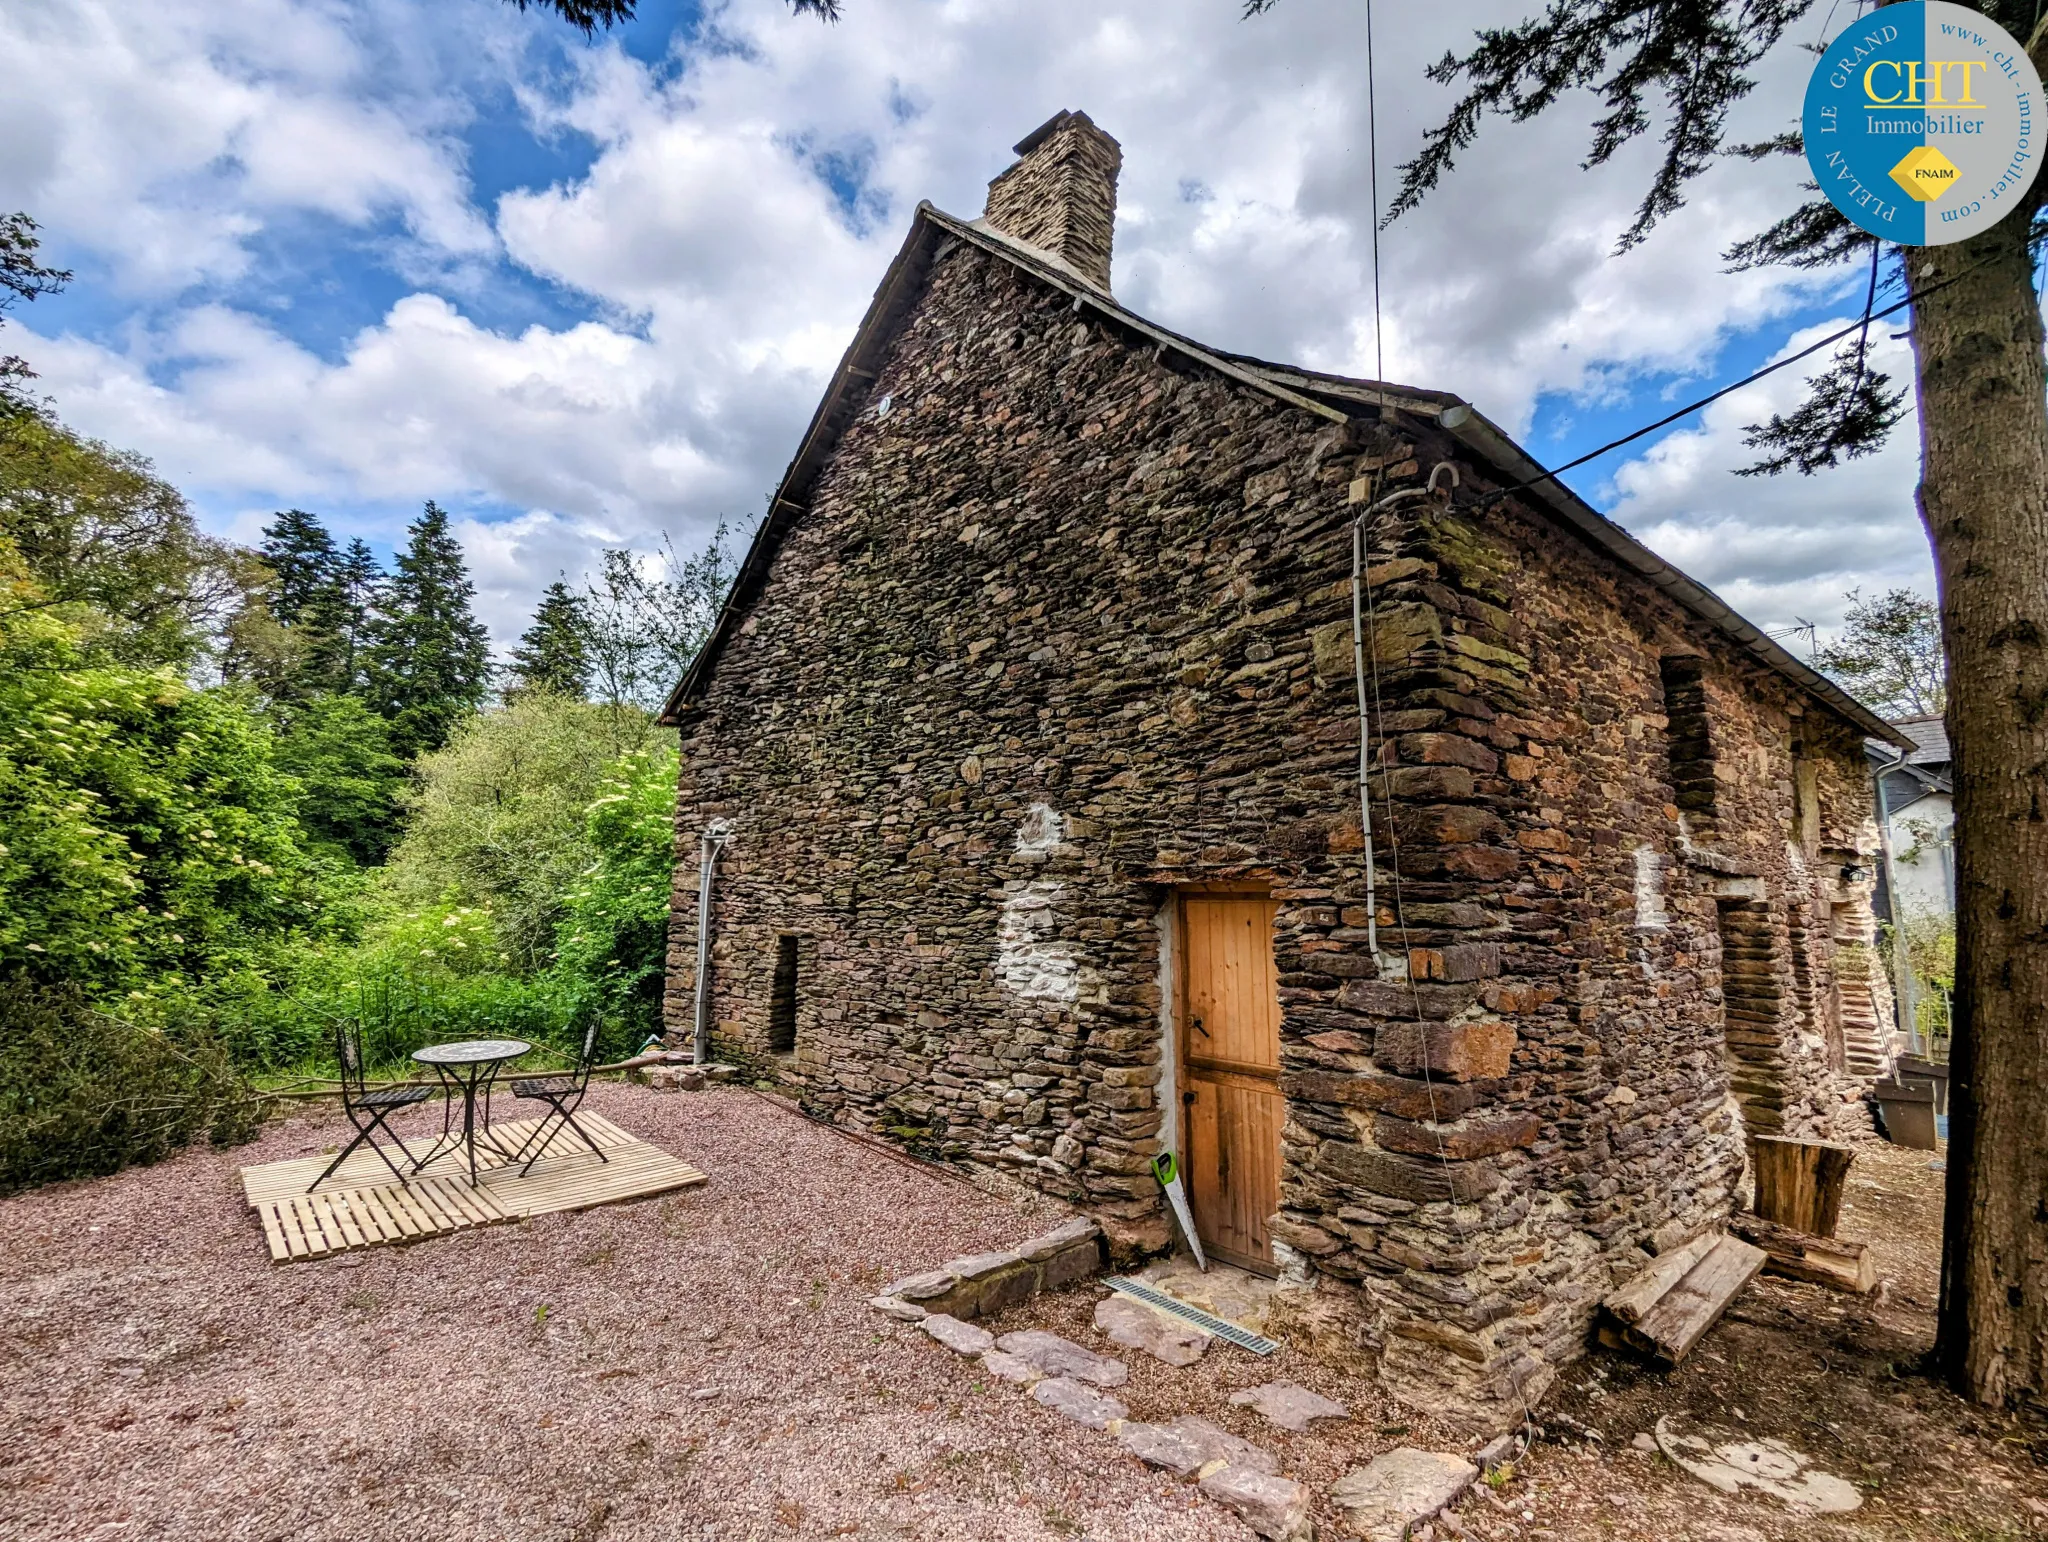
{"points": [[1665, 1310], [1799, 1182], [1798, 1256]]}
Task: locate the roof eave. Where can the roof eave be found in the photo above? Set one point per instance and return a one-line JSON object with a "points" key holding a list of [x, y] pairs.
{"points": [[1472, 429]]}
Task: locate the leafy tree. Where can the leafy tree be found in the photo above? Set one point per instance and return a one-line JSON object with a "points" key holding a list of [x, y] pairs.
{"points": [[496, 817], [592, 16], [22, 277], [430, 659], [1983, 407], [98, 528], [350, 782], [147, 837], [643, 631], [554, 653], [1889, 655], [612, 943]]}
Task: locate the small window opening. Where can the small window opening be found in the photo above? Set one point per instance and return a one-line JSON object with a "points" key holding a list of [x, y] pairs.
{"points": [[782, 998]]}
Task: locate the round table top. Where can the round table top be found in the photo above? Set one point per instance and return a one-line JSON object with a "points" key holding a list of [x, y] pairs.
{"points": [[472, 1052]]}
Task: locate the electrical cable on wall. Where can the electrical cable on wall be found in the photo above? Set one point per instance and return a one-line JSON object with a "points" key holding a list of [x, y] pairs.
{"points": [[1363, 617]]}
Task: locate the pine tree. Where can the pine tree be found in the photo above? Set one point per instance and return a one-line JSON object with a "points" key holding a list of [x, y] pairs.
{"points": [[359, 581], [554, 653], [301, 554], [430, 658]]}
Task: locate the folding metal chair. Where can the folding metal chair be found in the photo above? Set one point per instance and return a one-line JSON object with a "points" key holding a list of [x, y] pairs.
{"points": [[366, 1109], [562, 1091]]}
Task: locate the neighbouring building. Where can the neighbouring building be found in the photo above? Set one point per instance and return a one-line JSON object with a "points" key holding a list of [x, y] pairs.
{"points": [[1919, 799], [1032, 731]]}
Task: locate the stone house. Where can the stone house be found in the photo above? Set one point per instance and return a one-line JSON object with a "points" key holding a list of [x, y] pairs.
{"points": [[1028, 754]]}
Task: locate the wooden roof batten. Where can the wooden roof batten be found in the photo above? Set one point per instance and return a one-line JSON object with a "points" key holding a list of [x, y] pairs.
{"points": [[933, 232]]}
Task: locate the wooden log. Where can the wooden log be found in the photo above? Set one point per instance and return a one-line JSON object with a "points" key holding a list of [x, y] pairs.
{"points": [[1797, 1256], [1670, 1328], [1628, 1304], [1799, 1183]]}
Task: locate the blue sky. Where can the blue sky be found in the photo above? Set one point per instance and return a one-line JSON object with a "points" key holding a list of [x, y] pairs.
{"points": [[352, 254]]}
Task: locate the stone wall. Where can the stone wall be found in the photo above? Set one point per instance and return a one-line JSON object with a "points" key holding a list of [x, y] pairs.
{"points": [[1067, 625]]}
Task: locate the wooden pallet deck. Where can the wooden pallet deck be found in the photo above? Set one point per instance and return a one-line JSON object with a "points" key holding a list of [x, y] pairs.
{"points": [[361, 1206]]}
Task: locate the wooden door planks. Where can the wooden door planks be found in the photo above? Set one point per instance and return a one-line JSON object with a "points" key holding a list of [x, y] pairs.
{"points": [[1670, 1323]]}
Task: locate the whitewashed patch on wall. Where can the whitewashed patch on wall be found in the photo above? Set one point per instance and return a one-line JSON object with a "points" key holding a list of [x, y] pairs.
{"points": [[1043, 828], [1030, 961], [1650, 889]]}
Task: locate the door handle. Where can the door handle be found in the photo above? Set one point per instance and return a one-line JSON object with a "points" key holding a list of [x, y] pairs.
{"points": [[1196, 1024]]}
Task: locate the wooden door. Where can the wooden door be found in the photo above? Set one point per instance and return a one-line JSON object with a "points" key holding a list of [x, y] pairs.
{"points": [[1230, 1073]]}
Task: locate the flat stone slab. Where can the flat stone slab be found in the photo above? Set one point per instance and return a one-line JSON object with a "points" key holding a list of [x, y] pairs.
{"points": [[1217, 1444], [1395, 1490], [1084, 1405], [963, 1338], [1069, 1234], [1158, 1446], [898, 1308], [1012, 1368], [1731, 1462], [1136, 1326], [1274, 1507], [978, 1266], [1063, 1357], [1289, 1406], [921, 1287]]}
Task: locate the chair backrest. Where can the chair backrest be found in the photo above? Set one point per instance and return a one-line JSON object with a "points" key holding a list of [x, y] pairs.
{"points": [[588, 1057], [348, 1050]]}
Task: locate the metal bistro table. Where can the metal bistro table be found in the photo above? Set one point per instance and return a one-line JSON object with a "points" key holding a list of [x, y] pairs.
{"points": [[469, 1066]]}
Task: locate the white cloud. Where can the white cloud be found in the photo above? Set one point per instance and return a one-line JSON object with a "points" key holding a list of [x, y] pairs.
{"points": [[1785, 548], [728, 277]]}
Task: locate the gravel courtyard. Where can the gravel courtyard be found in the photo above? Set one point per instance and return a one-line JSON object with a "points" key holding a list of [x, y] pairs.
{"points": [[706, 1365]]}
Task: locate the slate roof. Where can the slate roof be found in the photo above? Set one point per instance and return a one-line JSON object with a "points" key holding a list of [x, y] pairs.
{"points": [[1323, 395], [1930, 739]]}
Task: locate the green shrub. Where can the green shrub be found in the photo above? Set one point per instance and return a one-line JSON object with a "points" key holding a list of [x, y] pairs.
{"points": [[83, 1093], [612, 944]]}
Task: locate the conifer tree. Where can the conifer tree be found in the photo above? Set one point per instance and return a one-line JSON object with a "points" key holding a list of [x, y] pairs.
{"points": [[359, 581], [429, 658], [301, 555], [554, 653]]}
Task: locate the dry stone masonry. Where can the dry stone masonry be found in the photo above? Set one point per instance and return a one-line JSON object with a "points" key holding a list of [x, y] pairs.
{"points": [[1052, 621]]}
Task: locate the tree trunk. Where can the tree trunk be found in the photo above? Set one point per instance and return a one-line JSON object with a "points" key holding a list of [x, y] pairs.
{"points": [[1984, 497]]}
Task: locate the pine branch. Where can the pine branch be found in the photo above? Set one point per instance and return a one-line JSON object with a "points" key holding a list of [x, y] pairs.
{"points": [[1849, 411], [1696, 55]]}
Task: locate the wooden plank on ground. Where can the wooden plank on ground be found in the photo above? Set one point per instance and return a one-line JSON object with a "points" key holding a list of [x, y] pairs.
{"points": [[1629, 1303], [1799, 1183], [1670, 1328], [273, 1233], [1821, 1260]]}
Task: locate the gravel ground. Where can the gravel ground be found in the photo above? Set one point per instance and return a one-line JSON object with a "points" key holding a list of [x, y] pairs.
{"points": [[706, 1365], [700, 1365]]}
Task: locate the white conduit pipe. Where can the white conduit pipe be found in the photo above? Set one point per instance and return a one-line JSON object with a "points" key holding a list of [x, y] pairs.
{"points": [[1358, 537], [716, 834]]}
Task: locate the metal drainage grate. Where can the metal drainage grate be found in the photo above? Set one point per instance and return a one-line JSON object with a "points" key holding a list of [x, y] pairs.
{"points": [[1229, 1332]]}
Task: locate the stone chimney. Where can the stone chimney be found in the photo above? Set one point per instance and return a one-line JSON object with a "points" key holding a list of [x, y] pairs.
{"points": [[1061, 195]]}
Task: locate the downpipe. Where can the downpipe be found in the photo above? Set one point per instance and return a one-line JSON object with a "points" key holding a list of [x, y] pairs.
{"points": [[716, 834]]}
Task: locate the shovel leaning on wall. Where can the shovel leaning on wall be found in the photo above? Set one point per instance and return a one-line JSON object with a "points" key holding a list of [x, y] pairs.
{"points": [[1168, 1173]]}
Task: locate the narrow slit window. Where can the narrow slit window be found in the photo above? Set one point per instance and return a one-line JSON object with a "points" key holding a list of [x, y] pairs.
{"points": [[782, 998]]}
